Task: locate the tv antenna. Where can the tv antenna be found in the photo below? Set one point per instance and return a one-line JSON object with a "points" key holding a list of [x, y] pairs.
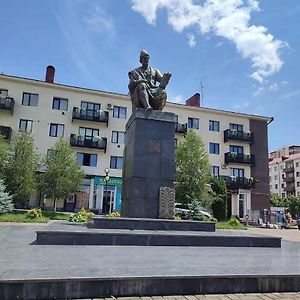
{"points": [[201, 89]]}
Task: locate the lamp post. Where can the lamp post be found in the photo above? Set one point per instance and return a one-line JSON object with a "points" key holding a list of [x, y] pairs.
{"points": [[106, 171]]}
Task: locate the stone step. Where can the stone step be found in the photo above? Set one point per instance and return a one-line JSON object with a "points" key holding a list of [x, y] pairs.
{"points": [[117, 237], [151, 224]]}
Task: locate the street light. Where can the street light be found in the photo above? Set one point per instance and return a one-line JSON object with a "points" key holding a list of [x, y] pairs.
{"points": [[106, 171]]}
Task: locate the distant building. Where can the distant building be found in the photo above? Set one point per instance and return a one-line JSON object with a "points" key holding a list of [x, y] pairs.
{"points": [[94, 123], [285, 151], [284, 173]]}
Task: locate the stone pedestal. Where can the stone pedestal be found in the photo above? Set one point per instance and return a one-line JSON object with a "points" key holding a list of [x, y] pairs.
{"points": [[149, 162]]}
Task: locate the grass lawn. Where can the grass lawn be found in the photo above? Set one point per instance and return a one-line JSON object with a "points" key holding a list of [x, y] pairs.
{"points": [[226, 225], [21, 217]]}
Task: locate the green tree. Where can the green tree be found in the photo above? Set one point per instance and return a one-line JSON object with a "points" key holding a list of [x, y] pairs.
{"points": [[6, 204], [63, 176], [219, 205], [278, 201], [192, 171], [293, 204], [20, 171]]}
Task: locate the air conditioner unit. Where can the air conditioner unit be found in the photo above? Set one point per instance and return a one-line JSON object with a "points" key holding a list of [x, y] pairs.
{"points": [[109, 106]]}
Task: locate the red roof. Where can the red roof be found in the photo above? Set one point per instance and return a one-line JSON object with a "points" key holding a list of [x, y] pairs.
{"points": [[285, 158]]}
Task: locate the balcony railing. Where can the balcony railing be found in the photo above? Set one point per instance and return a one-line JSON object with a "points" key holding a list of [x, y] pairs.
{"points": [[290, 188], [239, 158], [289, 169], [5, 132], [181, 128], [289, 179], [235, 135], [88, 142], [7, 103], [235, 183], [90, 115]]}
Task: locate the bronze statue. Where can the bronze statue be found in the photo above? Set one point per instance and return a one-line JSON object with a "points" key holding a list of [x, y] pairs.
{"points": [[144, 92]]}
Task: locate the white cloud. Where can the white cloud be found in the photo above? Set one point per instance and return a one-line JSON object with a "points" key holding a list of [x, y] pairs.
{"points": [[177, 99], [192, 40], [227, 19], [266, 87], [291, 94]]}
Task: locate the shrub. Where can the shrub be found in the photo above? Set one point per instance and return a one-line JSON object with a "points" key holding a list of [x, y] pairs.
{"points": [[234, 221], [34, 213], [82, 216], [6, 204], [114, 214]]}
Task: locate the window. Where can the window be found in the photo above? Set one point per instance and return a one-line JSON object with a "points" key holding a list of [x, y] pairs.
{"points": [[275, 169], [215, 171], [193, 123], [282, 176], [117, 137], [60, 104], [91, 109], [237, 127], [214, 125], [298, 183], [56, 130], [25, 126], [236, 172], [270, 178], [297, 174], [276, 177], [214, 148], [236, 149], [297, 163], [270, 186], [88, 133], [30, 99], [282, 185], [283, 195], [120, 112], [3, 93], [116, 162], [281, 167], [276, 186], [87, 159]]}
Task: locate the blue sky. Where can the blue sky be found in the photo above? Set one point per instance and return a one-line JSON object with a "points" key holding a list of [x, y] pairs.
{"points": [[246, 52]]}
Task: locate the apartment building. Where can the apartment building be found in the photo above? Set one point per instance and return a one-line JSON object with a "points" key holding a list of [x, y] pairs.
{"points": [[284, 174], [94, 123], [285, 151]]}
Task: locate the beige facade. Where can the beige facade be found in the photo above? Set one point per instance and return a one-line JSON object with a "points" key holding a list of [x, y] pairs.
{"points": [[46, 118]]}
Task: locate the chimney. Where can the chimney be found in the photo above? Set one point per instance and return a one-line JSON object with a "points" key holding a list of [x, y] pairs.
{"points": [[193, 101], [50, 73]]}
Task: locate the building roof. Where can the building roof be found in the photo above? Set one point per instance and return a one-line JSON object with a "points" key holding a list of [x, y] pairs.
{"points": [[124, 96], [285, 158]]}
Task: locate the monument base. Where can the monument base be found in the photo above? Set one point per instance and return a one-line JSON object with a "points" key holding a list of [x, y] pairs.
{"points": [[149, 162]]}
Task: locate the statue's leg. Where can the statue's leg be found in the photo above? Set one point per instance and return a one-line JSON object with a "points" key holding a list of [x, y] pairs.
{"points": [[143, 96], [160, 99]]}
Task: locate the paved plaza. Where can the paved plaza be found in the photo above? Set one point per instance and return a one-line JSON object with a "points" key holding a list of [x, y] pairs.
{"points": [[21, 259]]}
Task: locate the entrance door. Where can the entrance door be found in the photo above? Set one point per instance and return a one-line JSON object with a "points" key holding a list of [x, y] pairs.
{"points": [[108, 197], [70, 203], [242, 200]]}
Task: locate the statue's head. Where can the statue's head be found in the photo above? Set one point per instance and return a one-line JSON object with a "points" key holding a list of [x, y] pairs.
{"points": [[144, 56]]}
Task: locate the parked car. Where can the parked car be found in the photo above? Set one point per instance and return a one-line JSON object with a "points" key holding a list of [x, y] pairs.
{"points": [[183, 211]]}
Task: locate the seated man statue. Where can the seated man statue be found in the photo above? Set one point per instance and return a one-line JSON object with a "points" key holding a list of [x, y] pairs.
{"points": [[143, 88]]}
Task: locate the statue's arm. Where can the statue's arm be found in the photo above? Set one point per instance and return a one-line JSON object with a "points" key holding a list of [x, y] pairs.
{"points": [[134, 79]]}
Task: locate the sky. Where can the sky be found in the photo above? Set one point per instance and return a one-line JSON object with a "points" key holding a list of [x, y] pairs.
{"points": [[240, 55]]}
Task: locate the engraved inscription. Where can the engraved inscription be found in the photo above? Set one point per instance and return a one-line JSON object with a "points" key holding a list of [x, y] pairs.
{"points": [[154, 148]]}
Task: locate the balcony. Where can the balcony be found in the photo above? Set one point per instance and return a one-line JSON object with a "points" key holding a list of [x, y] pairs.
{"points": [[289, 169], [181, 128], [290, 188], [7, 103], [88, 142], [90, 115], [239, 158], [235, 183], [289, 179], [235, 135], [5, 132]]}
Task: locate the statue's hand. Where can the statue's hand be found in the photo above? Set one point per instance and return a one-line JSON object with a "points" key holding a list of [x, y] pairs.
{"points": [[168, 75], [142, 81]]}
